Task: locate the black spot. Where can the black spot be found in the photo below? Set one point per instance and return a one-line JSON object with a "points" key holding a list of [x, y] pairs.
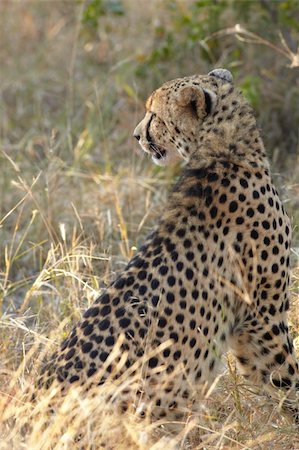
{"points": [[157, 261], [222, 198], [213, 212], [105, 310], [119, 284], [192, 342], [266, 224], [233, 206], [177, 355], [109, 341], [243, 183], [153, 362], [174, 256], [155, 284], [162, 322], [155, 300], [78, 365], [94, 311], [266, 241], [225, 231], [104, 324], [189, 274], [197, 353], [103, 356], [192, 324], [87, 331], [125, 322], [264, 255], [94, 354], [170, 227], [170, 297], [179, 318], [137, 262], [190, 256], [142, 275], [163, 270], [142, 290], [275, 330], [171, 280], [174, 336], [181, 232], [128, 296], [118, 313], [69, 354], [183, 292], [243, 360], [115, 301], [74, 378], [225, 182], [212, 177], [195, 294], [187, 243], [168, 311], [267, 336], [86, 347], [130, 281]]}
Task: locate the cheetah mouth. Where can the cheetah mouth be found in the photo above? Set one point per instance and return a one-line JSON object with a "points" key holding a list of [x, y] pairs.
{"points": [[159, 153]]}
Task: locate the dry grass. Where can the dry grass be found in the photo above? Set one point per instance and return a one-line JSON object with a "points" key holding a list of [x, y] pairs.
{"points": [[76, 201]]}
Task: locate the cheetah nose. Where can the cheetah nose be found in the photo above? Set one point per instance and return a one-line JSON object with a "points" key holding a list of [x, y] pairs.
{"points": [[137, 136]]}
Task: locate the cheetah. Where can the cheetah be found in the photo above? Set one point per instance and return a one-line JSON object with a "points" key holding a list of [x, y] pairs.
{"points": [[212, 277]]}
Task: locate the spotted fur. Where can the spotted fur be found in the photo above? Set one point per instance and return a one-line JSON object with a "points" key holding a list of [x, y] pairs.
{"points": [[213, 275]]}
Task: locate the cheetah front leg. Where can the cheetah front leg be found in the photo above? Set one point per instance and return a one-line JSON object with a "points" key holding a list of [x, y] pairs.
{"points": [[266, 358]]}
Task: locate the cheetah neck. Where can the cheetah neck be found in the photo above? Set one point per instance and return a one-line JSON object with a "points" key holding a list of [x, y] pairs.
{"points": [[231, 133]]}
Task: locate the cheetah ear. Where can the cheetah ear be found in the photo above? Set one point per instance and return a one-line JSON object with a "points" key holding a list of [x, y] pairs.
{"points": [[190, 95], [223, 74], [197, 99]]}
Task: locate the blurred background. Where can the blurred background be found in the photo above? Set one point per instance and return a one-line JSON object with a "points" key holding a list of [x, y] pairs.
{"points": [[74, 77], [77, 197]]}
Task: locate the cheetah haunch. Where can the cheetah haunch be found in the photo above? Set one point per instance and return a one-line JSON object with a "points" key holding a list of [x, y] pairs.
{"points": [[214, 274]]}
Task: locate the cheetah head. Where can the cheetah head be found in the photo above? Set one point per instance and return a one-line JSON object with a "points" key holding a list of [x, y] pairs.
{"points": [[176, 113]]}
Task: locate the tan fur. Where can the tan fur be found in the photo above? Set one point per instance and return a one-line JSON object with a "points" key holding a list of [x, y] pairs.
{"points": [[214, 274]]}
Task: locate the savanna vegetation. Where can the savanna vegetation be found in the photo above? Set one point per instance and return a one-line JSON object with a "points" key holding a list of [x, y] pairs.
{"points": [[77, 197]]}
